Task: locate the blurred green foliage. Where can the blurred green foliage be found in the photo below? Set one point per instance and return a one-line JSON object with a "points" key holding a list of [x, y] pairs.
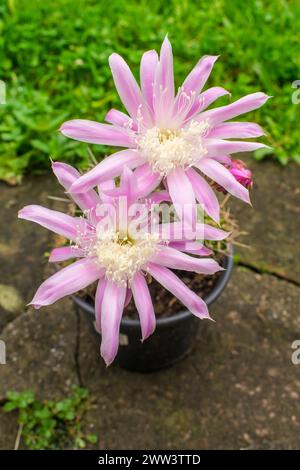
{"points": [[53, 59], [51, 424]]}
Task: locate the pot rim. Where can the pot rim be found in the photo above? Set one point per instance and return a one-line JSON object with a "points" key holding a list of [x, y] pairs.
{"points": [[179, 316]]}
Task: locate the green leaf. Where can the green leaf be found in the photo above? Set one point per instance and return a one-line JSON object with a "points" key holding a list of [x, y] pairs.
{"points": [[9, 406], [262, 153], [79, 442], [92, 438]]}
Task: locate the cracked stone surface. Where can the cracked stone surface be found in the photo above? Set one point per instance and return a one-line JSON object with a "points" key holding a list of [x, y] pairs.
{"points": [[273, 222], [40, 356], [40, 345], [40, 351], [22, 244], [238, 388]]}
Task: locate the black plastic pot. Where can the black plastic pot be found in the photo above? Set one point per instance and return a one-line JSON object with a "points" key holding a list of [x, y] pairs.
{"points": [[174, 336]]}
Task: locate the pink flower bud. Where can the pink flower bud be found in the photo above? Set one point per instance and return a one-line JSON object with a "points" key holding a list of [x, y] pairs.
{"points": [[241, 173]]}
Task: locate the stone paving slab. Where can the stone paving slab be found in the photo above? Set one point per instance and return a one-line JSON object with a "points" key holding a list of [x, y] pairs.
{"points": [[40, 345], [22, 244], [273, 222], [41, 348], [238, 389], [40, 351]]}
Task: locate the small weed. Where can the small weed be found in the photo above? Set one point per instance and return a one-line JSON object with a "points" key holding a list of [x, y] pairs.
{"points": [[50, 424]]}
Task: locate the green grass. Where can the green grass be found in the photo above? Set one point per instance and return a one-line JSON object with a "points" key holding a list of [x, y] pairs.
{"points": [[53, 59]]}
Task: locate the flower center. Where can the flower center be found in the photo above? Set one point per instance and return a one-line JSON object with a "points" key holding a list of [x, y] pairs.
{"points": [[167, 149], [122, 258]]}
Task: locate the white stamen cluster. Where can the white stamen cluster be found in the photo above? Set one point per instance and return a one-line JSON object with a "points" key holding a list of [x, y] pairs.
{"points": [[123, 258], [168, 149]]}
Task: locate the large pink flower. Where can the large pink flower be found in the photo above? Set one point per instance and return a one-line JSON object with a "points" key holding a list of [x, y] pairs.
{"points": [[119, 263], [168, 135]]}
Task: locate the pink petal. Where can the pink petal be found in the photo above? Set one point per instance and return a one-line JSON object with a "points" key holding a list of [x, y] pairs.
{"points": [[147, 73], [213, 233], [174, 259], [111, 315], [197, 78], [241, 106], [204, 100], [204, 194], [167, 72], [192, 247], [164, 85], [159, 196], [67, 281], [144, 305], [132, 187], [98, 302], [96, 133], [104, 187], [217, 172], [225, 159], [128, 186], [66, 175], [110, 167], [64, 253], [236, 130], [210, 95], [147, 179], [58, 222], [120, 119], [177, 231], [173, 284], [127, 87], [204, 251], [182, 195], [216, 147]]}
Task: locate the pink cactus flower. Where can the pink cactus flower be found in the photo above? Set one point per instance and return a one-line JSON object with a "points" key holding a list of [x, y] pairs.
{"points": [[118, 264], [171, 136]]}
